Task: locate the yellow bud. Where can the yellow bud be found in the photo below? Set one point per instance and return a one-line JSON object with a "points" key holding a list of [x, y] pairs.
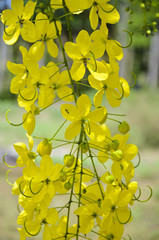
{"points": [[157, 15], [142, 5], [67, 185], [123, 127], [110, 179], [114, 144], [69, 160], [148, 32], [36, 111], [154, 23], [41, 5], [84, 147], [133, 187], [63, 176], [117, 155], [131, 202], [44, 148]]}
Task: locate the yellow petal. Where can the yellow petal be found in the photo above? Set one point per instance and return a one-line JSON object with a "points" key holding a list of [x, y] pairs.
{"points": [[13, 32], [52, 216], [8, 17], [36, 51], [98, 98], [17, 6], [28, 10], [29, 123], [93, 18], [69, 112], [42, 23], [65, 91], [15, 68], [72, 50], [84, 105], [78, 70], [125, 86], [28, 31], [52, 48], [73, 130], [111, 17], [113, 97], [46, 96], [78, 5], [83, 42]]}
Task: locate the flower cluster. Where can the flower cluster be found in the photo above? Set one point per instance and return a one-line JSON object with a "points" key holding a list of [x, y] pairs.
{"points": [[97, 203]]}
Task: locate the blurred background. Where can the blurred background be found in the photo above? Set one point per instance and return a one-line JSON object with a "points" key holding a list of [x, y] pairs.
{"points": [[141, 108]]}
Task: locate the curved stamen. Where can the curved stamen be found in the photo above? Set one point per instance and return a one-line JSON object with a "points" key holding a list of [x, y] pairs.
{"points": [[135, 80], [22, 191], [139, 160], [136, 198], [128, 218], [7, 163], [29, 232], [28, 99], [109, 10], [11, 184], [128, 237], [151, 192], [94, 62], [130, 35], [4, 28], [35, 193], [14, 124], [122, 95]]}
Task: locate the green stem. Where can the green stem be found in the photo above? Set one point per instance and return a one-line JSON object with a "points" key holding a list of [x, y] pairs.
{"points": [[63, 53], [94, 167], [58, 130], [73, 181], [69, 29]]}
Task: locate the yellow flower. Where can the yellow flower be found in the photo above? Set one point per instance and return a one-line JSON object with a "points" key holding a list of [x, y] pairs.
{"points": [[43, 182], [113, 232], [88, 213], [19, 15], [26, 156], [113, 86], [82, 53], [99, 8], [115, 206], [82, 115], [103, 43], [46, 32]]}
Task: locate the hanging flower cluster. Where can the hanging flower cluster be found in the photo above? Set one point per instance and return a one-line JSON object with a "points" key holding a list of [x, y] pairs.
{"points": [[97, 206]]}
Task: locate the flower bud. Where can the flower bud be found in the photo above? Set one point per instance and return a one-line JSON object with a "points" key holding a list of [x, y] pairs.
{"points": [[68, 160], [117, 155], [148, 32], [142, 5], [67, 185], [110, 179], [123, 127], [44, 148], [157, 15], [114, 144], [154, 23], [84, 147], [63, 176], [36, 111], [132, 186]]}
